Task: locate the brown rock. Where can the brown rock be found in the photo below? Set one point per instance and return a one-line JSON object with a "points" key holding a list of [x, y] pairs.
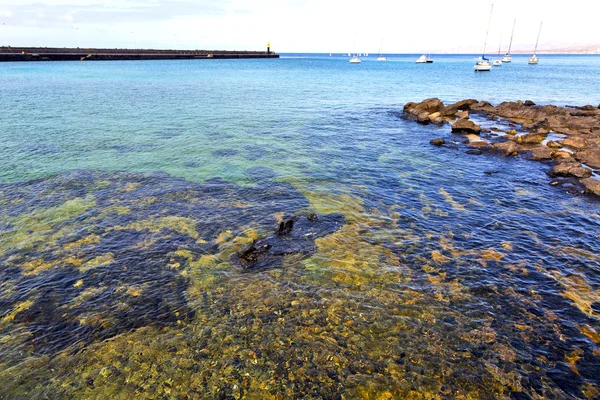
{"points": [[466, 125], [570, 169], [423, 118], [532, 138], [576, 142], [592, 186], [437, 142], [541, 153], [528, 103], [436, 118], [554, 145], [511, 132], [507, 148], [463, 114], [462, 105], [562, 154], [589, 156]]}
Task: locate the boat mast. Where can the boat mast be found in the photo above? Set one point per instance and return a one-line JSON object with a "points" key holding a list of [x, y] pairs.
{"points": [[486, 32], [511, 36], [538, 39]]}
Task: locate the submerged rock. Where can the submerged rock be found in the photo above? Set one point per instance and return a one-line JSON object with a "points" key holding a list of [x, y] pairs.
{"points": [[532, 138], [298, 238], [438, 142]]}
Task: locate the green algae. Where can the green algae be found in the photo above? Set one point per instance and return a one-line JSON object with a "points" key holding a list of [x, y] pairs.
{"points": [[31, 228], [357, 319]]}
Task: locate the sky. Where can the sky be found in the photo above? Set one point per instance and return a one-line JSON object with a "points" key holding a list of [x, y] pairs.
{"points": [[320, 26]]}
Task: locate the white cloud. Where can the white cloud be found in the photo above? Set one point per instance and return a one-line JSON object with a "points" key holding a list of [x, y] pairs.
{"points": [[303, 26]]}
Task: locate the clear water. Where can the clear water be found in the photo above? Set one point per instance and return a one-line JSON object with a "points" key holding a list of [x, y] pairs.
{"points": [[453, 275]]}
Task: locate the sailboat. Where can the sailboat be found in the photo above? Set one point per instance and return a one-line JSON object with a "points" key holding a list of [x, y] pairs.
{"points": [[381, 56], [483, 64], [498, 61], [507, 57], [355, 59], [534, 58], [424, 59]]}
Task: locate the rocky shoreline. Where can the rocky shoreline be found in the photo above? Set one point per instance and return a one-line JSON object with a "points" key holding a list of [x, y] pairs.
{"points": [[566, 137]]}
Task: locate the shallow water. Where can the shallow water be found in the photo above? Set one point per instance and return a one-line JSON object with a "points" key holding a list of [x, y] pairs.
{"points": [[128, 187]]}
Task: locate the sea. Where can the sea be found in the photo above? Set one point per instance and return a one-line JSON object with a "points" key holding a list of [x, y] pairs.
{"points": [[128, 190]]}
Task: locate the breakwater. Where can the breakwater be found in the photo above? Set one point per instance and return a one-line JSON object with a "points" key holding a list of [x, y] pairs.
{"points": [[13, 54]]}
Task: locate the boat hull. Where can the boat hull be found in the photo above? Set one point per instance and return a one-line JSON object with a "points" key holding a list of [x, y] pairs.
{"points": [[483, 67]]}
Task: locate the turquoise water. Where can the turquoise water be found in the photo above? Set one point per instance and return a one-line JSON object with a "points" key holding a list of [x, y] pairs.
{"points": [[126, 188]]}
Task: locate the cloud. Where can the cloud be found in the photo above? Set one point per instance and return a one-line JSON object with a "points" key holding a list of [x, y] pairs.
{"points": [[54, 14]]}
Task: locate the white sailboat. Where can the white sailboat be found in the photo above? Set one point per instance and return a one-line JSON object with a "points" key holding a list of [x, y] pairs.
{"points": [[508, 57], [483, 64], [534, 58], [381, 56], [355, 59], [498, 61]]}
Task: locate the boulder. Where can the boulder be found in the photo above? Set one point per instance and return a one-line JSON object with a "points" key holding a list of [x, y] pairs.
{"points": [[532, 138], [462, 114], [466, 125], [511, 132], [436, 118], [554, 145], [576, 142], [474, 152], [462, 105], [589, 156], [438, 142], [507, 148], [592, 186], [528, 103], [570, 169], [541, 153], [423, 118], [561, 154]]}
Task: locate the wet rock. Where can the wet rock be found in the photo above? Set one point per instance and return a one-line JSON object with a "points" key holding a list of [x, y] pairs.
{"points": [[474, 152], [312, 217], [463, 105], [270, 251], [570, 169], [589, 156], [511, 132], [576, 142], [554, 145], [286, 226], [436, 118], [591, 185], [466, 126], [437, 142], [462, 114], [507, 148], [562, 155], [421, 111], [541, 153], [532, 138], [423, 118]]}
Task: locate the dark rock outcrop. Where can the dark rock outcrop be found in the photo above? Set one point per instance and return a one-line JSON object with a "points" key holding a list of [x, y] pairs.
{"points": [[570, 169], [438, 142], [465, 126]]}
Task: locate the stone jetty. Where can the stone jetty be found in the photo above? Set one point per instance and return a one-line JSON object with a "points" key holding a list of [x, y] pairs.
{"points": [[13, 54], [574, 153]]}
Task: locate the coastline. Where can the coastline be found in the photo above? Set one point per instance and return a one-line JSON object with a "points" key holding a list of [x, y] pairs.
{"points": [[566, 137]]}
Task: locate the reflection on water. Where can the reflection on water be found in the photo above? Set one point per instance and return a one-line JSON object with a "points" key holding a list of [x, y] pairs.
{"points": [[117, 285]]}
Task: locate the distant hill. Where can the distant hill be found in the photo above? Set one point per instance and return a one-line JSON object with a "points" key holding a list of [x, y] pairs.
{"points": [[574, 49]]}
